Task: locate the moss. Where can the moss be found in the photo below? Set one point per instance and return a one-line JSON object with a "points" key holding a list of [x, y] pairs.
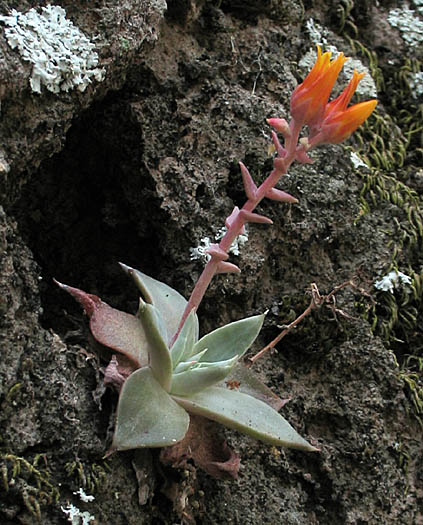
{"points": [[89, 477], [30, 482], [13, 391], [404, 100], [411, 375], [344, 18], [394, 144]]}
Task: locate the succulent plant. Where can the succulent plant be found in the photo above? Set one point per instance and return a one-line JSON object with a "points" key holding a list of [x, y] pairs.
{"points": [[165, 371], [170, 382]]}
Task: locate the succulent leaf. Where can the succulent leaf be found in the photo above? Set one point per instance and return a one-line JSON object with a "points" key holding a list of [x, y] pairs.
{"points": [[146, 415], [185, 365], [230, 340], [168, 301], [197, 379], [113, 328], [185, 341], [248, 383], [216, 364], [245, 414], [159, 355]]}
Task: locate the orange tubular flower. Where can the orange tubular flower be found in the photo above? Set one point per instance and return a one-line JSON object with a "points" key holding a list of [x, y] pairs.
{"points": [[339, 125], [309, 99], [338, 121], [341, 103]]}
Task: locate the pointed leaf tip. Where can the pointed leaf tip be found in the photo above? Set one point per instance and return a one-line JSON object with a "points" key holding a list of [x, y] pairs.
{"points": [[255, 217], [245, 414], [249, 184], [89, 302], [168, 301], [226, 267], [281, 196], [230, 340], [113, 328]]}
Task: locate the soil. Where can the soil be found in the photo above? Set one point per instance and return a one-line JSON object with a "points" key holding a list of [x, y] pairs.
{"points": [[139, 168]]}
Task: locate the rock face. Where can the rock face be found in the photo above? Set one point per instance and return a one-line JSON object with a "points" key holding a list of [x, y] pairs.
{"points": [[139, 168]]}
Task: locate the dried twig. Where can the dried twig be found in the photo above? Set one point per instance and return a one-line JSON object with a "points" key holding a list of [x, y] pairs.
{"points": [[317, 301]]}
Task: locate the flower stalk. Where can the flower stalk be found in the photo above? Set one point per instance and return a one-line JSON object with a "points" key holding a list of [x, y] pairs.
{"points": [[328, 122], [239, 218]]}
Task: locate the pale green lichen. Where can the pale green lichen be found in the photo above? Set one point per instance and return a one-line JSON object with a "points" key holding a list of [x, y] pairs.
{"points": [[320, 36], [62, 56], [416, 84], [409, 25], [76, 516], [393, 280], [200, 251]]}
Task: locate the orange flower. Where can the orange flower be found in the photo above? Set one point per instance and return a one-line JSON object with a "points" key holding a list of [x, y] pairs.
{"points": [[339, 125], [341, 103], [309, 99], [339, 122]]}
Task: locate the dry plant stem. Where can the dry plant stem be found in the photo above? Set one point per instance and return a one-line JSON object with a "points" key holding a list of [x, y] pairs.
{"points": [[286, 330], [316, 302], [281, 166]]}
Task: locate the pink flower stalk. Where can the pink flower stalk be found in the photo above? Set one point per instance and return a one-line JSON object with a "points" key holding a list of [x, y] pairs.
{"points": [[328, 122]]}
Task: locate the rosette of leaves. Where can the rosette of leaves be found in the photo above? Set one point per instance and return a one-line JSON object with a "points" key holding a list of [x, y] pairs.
{"points": [[168, 383]]}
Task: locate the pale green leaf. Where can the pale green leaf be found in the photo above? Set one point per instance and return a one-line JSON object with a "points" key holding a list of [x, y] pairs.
{"points": [[159, 355], [168, 301], [245, 414], [185, 341], [196, 379], [185, 365], [230, 340], [248, 383], [146, 415]]}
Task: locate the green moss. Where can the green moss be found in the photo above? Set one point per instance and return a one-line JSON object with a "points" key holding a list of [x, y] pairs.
{"points": [[89, 477], [411, 375], [13, 391], [30, 481], [371, 57], [391, 144]]}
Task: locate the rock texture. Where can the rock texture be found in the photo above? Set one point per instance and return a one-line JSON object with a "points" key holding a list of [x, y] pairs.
{"points": [[139, 168]]}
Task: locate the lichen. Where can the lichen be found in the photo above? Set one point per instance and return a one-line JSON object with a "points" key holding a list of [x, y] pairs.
{"points": [[76, 516], [199, 252], [409, 25], [319, 35], [393, 280], [62, 56], [416, 84]]}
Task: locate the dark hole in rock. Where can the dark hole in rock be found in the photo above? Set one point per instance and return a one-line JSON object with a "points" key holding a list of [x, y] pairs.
{"points": [[90, 206]]}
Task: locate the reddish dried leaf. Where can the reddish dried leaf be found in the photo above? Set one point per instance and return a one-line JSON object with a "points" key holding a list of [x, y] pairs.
{"points": [[203, 445], [117, 371], [113, 328]]}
